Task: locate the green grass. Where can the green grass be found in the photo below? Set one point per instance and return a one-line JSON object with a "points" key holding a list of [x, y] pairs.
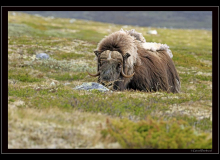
{"points": [[23, 76], [20, 92], [21, 30], [67, 76], [186, 60], [70, 56], [204, 78]]}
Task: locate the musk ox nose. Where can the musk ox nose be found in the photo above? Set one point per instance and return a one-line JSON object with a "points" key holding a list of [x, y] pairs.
{"points": [[105, 78], [107, 72], [106, 75]]}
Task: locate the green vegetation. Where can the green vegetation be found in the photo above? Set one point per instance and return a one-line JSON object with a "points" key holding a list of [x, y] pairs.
{"points": [[36, 87], [23, 76], [151, 134]]}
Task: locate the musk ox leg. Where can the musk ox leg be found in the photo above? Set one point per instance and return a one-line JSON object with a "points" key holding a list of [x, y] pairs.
{"points": [[121, 84], [173, 78], [177, 87]]}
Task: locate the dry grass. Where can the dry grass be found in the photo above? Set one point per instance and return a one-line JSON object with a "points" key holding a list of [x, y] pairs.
{"points": [[54, 128]]}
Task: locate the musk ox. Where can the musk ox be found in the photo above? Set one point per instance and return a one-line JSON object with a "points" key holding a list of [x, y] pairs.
{"points": [[126, 61]]}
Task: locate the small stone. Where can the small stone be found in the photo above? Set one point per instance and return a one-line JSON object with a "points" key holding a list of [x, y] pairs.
{"points": [[24, 56], [52, 84], [72, 20], [152, 32], [42, 56], [91, 86]]}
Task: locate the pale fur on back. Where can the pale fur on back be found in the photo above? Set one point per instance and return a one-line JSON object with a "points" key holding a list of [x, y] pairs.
{"points": [[153, 46]]}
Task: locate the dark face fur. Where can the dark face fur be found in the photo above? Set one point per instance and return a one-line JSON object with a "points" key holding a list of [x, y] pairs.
{"points": [[110, 70]]}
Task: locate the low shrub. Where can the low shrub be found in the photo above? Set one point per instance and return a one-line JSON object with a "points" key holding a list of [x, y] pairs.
{"points": [[152, 134]]}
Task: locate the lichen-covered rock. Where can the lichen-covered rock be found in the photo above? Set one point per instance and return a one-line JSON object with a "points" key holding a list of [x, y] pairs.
{"points": [[42, 56], [91, 86]]}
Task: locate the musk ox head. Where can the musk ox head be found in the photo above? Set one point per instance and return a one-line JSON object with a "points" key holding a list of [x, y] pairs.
{"points": [[111, 67], [116, 55]]}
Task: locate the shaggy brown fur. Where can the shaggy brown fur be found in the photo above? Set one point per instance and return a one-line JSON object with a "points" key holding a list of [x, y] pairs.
{"points": [[154, 70], [157, 72]]}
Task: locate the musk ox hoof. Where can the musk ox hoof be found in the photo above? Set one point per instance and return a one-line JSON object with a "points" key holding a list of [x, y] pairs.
{"points": [[91, 86]]}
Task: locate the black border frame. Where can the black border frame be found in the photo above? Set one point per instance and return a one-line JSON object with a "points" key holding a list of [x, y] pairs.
{"points": [[4, 75]]}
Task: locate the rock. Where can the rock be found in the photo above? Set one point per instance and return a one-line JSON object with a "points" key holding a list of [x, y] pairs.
{"points": [[51, 17], [52, 84], [13, 13], [72, 20], [65, 84], [91, 86], [152, 32], [42, 56]]}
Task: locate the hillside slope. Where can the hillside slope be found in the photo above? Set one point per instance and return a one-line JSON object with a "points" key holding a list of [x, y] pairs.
{"points": [[169, 19]]}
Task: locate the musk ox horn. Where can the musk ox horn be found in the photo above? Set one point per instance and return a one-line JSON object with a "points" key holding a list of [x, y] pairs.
{"points": [[125, 57], [93, 75], [124, 75], [97, 52]]}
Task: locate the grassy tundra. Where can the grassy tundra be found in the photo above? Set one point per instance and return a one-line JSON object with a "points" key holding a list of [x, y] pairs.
{"points": [[45, 112]]}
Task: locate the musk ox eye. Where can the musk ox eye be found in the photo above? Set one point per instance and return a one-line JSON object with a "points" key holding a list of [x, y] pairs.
{"points": [[102, 62], [119, 65]]}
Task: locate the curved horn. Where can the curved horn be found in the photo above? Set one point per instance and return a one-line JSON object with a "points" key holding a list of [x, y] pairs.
{"points": [[97, 52], [125, 57], [93, 75], [124, 75]]}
